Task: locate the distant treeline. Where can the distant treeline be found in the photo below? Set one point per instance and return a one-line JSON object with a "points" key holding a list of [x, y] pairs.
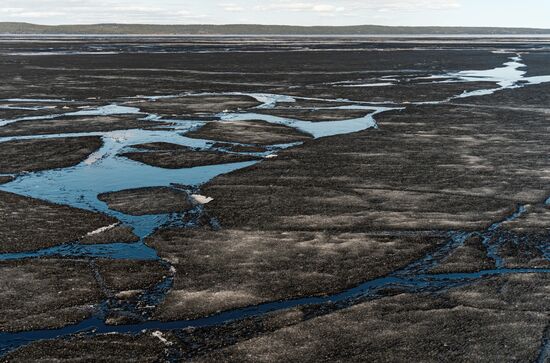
{"points": [[251, 29]]}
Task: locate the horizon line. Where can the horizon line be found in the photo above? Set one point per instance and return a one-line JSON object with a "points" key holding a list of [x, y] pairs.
{"points": [[276, 25]]}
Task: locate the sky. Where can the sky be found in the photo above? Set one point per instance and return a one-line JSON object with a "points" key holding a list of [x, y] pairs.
{"points": [[504, 13]]}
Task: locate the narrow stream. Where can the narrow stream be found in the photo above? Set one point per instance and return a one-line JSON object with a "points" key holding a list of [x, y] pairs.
{"points": [[79, 187]]}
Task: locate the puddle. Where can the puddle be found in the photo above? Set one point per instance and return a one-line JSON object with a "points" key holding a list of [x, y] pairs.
{"points": [[106, 111]]}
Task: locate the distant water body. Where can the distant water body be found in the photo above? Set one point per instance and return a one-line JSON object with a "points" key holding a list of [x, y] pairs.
{"points": [[412, 36]]}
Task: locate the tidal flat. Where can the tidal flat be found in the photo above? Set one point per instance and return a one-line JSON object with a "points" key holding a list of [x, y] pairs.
{"points": [[274, 199]]}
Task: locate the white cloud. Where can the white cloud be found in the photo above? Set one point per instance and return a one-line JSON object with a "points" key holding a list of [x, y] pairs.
{"points": [[232, 7], [101, 11], [406, 5], [373, 5], [305, 7], [293, 12]]}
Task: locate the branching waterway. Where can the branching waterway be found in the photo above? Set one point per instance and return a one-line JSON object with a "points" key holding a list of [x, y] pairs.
{"points": [[106, 171]]}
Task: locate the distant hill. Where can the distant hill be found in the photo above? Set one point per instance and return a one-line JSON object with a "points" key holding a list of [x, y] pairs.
{"points": [[251, 29]]}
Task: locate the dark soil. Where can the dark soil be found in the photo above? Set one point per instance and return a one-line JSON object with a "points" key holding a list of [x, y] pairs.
{"points": [[5, 179], [41, 154], [28, 224], [430, 167], [219, 270], [248, 132], [170, 156], [142, 201], [113, 348], [471, 257], [193, 105], [74, 125], [321, 217], [238, 148], [317, 115], [420, 328]]}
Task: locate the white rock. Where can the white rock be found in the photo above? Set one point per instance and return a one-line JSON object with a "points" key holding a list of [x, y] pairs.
{"points": [[201, 199], [158, 334], [102, 229]]}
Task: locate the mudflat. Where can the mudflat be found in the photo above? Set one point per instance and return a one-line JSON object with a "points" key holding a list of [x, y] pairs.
{"points": [[159, 200], [52, 293], [393, 204], [28, 224], [72, 125], [194, 105], [248, 132], [34, 155], [172, 156]]}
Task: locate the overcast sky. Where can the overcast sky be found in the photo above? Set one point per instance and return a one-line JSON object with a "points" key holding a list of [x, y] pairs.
{"points": [[525, 13]]}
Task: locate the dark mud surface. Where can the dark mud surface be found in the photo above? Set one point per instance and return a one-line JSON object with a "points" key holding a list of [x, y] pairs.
{"points": [[195, 105], [144, 201], [407, 92], [471, 324], [536, 218], [171, 156], [239, 148], [470, 257], [449, 164], [38, 294], [28, 224], [5, 179], [73, 125], [537, 63], [317, 114], [225, 269], [52, 293], [248, 132], [33, 155], [113, 348], [535, 98], [396, 210], [9, 113]]}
